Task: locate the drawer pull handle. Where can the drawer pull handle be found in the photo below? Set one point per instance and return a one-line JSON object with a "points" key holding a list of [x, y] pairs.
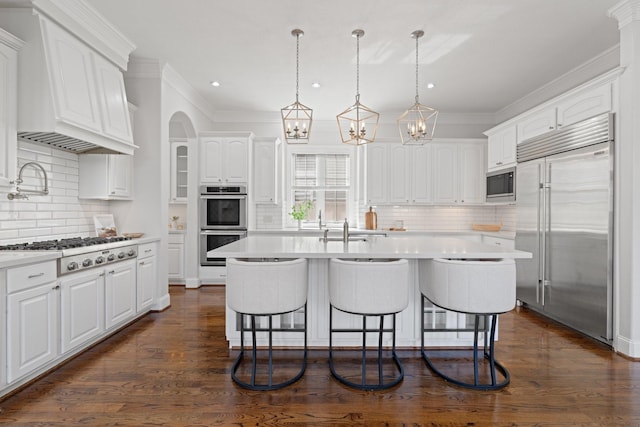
{"points": [[147, 251], [33, 276], [56, 288]]}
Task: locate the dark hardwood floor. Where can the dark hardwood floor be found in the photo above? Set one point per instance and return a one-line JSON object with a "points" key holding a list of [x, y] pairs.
{"points": [[172, 368]]}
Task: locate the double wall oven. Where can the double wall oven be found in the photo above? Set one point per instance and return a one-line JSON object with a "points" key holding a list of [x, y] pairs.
{"points": [[223, 219]]}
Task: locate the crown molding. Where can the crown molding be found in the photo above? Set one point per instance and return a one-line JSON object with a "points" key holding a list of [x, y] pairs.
{"points": [[180, 85], [10, 40], [625, 12], [144, 68]]}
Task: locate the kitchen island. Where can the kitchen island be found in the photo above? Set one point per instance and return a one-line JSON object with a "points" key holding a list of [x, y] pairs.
{"points": [[318, 252]]}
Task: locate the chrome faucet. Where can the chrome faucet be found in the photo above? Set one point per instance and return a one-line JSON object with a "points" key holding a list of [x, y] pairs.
{"points": [[19, 193], [320, 224]]}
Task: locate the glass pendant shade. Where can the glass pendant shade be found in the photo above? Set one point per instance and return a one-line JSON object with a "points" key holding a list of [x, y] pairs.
{"points": [[418, 123], [297, 117], [358, 124]]}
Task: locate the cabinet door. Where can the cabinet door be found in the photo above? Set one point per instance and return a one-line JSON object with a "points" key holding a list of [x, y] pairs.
{"points": [[179, 172], [120, 293], [445, 173], [265, 182], [81, 308], [421, 182], [8, 118], [32, 329], [236, 165], [537, 124], [120, 174], [398, 174], [112, 100], [211, 160], [376, 173], [175, 260], [502, 149], [146, 283], [585, 105], [471, 173], [72, 77]]}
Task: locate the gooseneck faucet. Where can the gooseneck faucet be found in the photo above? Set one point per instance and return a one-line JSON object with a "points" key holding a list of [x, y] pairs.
{"points": [[19, 193]]}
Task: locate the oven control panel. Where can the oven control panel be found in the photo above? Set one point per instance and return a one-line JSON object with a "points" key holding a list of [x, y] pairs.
{"points": [[93, 259]]}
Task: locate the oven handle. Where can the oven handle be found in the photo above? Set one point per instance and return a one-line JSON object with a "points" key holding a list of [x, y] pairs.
{"points": [[240, 233], [223, 196]]}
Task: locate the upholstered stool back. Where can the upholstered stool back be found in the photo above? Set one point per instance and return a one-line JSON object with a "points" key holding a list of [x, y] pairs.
{"points": [[266, 287]]}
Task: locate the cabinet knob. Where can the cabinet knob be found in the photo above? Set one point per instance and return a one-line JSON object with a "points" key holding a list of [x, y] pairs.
{"points": [[559, 124], [551, 127]]}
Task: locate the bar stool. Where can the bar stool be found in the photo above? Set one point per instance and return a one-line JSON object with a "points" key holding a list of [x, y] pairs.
{"points": [[266, 287], [483, 288], [368, 288]]}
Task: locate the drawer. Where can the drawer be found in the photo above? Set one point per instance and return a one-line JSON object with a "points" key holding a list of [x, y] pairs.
{"points": [[499, 241], [176, 238], [146, 250], [28, 276]]}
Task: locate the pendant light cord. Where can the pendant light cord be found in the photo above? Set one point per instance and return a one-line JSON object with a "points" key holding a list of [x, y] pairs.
{"points": [[297, 64], [417, 70]]}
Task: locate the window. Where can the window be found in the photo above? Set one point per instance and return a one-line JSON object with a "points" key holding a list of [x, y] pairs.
{"points": [[323, 179]]}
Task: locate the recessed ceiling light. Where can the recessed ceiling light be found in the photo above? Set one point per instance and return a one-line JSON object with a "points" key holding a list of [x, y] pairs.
{"points": [[315, 85], [215, 84], [430, 85]]}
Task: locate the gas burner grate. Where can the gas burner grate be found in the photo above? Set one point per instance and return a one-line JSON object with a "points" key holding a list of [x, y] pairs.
{"points": [[62, 244]]}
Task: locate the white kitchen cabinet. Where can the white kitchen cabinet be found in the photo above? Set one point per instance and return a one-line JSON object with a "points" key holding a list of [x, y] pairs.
{"points": [[146, 277], [32, 318], [179, 171], [9, 46], [566, 111], [112, 100], [105, 176], [81, 308], [120, 293], [501, 148], [266, 163], [399, 174], [376, 175], [175, 257], [459, 172], [224, 159]]}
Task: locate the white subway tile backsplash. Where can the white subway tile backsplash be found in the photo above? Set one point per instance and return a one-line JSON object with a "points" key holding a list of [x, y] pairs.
{"points": [[60, 214]]}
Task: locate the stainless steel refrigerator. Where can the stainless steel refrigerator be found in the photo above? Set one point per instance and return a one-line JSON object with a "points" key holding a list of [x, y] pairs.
{"points": [[564, 209]]}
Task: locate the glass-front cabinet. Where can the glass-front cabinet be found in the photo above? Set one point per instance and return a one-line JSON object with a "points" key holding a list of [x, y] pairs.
{"points": [[179, 171]]}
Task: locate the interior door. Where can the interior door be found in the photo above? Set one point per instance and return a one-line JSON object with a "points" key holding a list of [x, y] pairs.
{"points": [[577, 241]]}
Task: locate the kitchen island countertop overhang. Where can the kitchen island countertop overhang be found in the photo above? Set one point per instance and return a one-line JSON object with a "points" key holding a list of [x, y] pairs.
{"points": [[409, 247]]}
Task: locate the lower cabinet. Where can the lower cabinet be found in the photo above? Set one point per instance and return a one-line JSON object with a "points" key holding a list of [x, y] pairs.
{"points": [[147, 277], [120, 293], [175, 258], [81, 308], [32, 318]]}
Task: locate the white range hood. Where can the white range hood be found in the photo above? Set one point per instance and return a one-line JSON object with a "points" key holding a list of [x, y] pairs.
{"points": [[71, 91]]}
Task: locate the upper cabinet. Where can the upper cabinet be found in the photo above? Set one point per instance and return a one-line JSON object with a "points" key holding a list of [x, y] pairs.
{"points": [[224, 157], [266, 162], [8, 105], [459, 173], [566, 111], [501, 148], [179, 171], [105, 176], [446, 172]]}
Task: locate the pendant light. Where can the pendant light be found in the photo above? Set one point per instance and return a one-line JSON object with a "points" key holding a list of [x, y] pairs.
{"points": [[417, 124], [297, 117], [358, 124]]}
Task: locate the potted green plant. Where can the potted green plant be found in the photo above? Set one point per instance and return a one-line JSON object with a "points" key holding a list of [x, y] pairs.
{"points": [[300, 210]]}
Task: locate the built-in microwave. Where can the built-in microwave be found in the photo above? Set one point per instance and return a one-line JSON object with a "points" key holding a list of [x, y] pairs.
{"points": [[501, 186]]}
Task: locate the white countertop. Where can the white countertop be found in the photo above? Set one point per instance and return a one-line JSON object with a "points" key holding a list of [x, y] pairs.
{"points": [[338, 232], [15, 258], [409, 246]]}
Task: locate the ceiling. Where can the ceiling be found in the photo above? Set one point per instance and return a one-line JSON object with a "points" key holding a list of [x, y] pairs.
{"points": [[481, 55]]}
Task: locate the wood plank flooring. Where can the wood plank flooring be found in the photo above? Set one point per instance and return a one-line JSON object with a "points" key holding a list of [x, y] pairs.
{"points": [[172, 368]]}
